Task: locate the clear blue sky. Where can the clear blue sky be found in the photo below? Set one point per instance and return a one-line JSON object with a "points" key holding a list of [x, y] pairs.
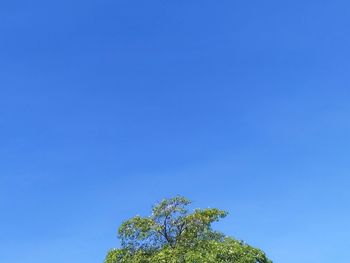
{"points": [[109, 106]]}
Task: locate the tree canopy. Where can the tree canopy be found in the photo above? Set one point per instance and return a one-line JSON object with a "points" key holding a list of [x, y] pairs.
{"points": [[173, 234]]}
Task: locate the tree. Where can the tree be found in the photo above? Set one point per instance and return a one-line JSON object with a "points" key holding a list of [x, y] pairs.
{"points": [[171, 234]]}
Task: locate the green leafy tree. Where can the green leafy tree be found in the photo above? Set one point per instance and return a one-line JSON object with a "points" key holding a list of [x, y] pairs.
{"points": [[171, 234]]}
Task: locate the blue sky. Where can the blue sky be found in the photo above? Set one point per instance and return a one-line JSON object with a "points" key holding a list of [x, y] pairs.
{"points": [[109, 106]]}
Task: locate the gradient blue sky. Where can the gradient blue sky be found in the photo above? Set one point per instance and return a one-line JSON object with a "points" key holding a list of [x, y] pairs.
{"points": [[109, 106]]}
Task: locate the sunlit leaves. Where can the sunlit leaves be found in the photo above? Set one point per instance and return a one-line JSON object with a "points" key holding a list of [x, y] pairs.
{"points": [[171, 234]]}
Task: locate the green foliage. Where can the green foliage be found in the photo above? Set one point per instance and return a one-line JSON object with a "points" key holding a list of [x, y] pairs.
{"points": [[174, 235]]}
